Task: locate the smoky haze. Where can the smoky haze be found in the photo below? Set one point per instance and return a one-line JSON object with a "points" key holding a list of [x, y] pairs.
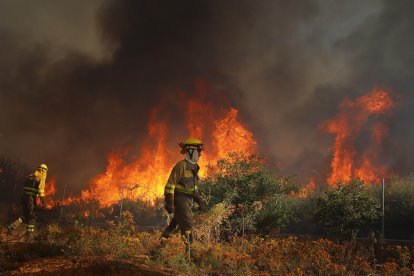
{"points": [[78, 79]]}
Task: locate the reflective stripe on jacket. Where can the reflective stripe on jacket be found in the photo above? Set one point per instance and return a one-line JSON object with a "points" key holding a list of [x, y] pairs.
{"points": [[183, 178]]}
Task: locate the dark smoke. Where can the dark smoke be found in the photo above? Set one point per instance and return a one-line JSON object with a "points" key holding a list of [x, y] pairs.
{"points": [[285, 64]]}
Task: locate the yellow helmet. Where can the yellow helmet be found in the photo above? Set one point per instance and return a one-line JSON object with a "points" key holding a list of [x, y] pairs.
{"points": [[191, 143], [43, 167]]}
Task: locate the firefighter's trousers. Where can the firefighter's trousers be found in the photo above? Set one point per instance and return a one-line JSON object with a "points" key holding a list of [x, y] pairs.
{"points": [[29, 217], [183, 216], [28, 203]]}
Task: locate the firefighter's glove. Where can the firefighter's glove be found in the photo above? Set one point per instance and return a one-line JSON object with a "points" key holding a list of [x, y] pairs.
{"points": [[169, 208], [201, 203], [169, 203]]}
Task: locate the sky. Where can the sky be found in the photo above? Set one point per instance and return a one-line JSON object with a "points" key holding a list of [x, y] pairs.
{"points": [[79, 78]]}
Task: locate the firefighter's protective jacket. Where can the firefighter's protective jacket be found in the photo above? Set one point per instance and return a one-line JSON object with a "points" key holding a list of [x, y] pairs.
{"points": [[35, 184], [183, 179]]}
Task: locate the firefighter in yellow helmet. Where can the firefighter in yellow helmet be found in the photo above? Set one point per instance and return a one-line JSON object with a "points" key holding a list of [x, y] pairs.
{"points": [[181, 189], [34, 187]]}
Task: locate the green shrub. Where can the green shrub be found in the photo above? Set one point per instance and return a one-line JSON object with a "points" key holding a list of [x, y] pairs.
{"points": [[279, 211], [258, 196], [399, 207], [344, 211]]}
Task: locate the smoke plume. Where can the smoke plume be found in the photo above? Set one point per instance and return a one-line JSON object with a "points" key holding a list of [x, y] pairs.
{"points": [[78, 79]]}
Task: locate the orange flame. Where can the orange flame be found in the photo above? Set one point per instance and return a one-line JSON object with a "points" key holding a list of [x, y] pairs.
{"points": [[50, 190], [144, 178], [307, 189], [220, 129], [347, 162], [50, 186], [230, 135]]}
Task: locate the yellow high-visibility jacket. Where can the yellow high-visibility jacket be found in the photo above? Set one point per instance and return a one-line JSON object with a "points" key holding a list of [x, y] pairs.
{"points": [[35, 184]]}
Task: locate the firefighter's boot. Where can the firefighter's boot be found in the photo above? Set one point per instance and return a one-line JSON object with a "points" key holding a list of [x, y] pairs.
{"points": [[30, 232], [14, 226], [166, 234]]}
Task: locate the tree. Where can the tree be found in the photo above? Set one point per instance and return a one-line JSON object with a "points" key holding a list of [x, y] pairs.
{"points": [[344, 211]]}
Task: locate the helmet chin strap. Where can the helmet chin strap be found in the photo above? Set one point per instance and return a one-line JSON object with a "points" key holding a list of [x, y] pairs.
{"points": [[192, 156]]}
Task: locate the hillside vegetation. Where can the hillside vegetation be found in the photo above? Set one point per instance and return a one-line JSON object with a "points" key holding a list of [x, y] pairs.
{"points": [[246, 230]]}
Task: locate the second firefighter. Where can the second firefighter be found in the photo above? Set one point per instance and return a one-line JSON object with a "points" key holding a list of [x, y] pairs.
{"points": [[34, 187]]}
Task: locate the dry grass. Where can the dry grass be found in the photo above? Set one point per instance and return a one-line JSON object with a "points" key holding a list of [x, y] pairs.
{"points": [[121, 245]]}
